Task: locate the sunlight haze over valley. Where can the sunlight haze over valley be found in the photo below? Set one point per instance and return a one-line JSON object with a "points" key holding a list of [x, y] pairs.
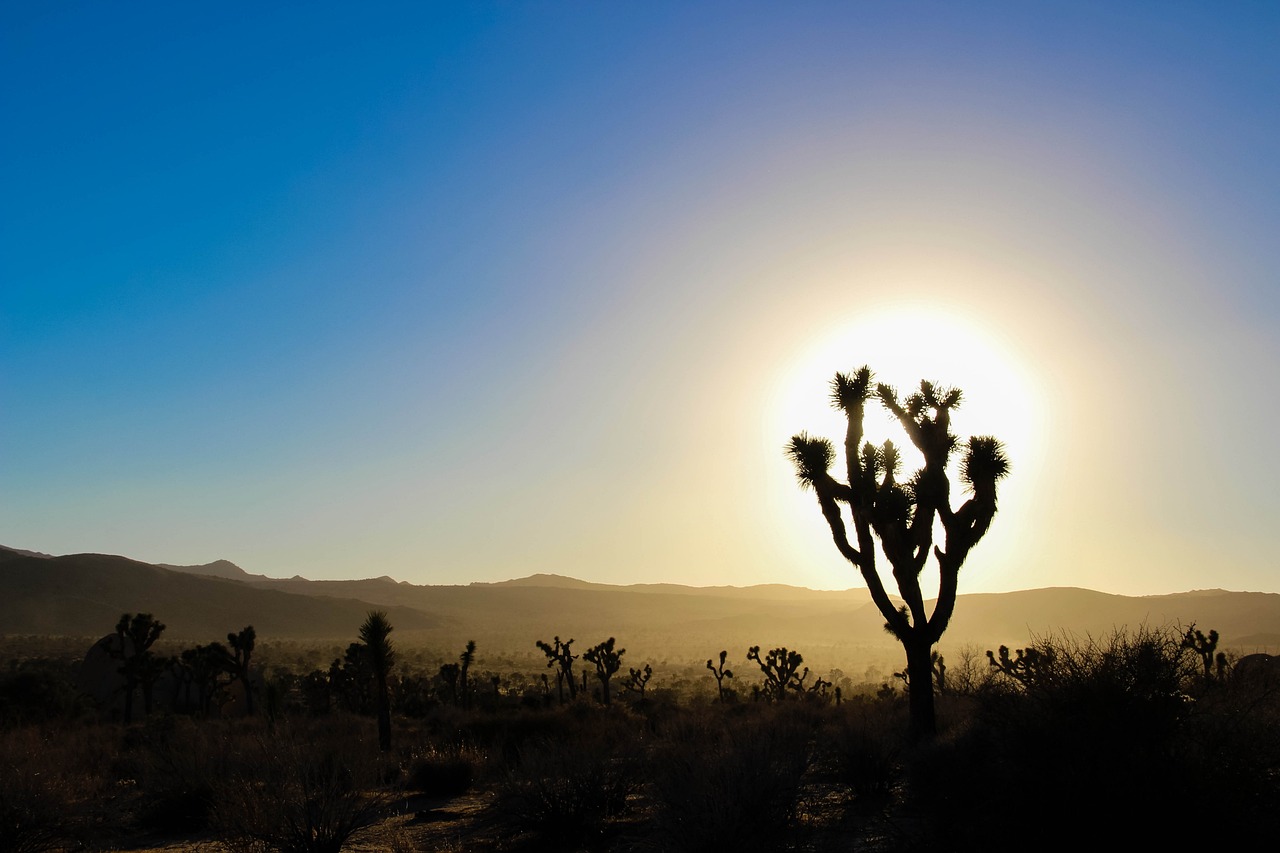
{"points": [[470, 291]]}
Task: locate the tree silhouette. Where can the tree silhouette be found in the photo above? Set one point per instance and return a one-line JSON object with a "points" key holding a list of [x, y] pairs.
{"points": [[721, 673], [465, 659], [241, 652], [375, 634], [558, 655], [607, 662], [1204, 646], [902, 515], [449, 673], [201, 668], [638, 679], [779, 667], [140, 667]]}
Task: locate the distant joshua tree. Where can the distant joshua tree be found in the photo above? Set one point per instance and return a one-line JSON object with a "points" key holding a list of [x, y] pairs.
{"points": [[1203, 646], [136, 634], [607, 661], [638, 679], [721, 673], [558, 656], [449, 674], [779, 667], [902, 515], [375, 634], [241, 653], [465, 660], [1028, 667], [201, 669]]}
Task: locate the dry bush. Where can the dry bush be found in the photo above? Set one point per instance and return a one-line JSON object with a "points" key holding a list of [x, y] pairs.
{"points": [[56, 791], [304, 791], [731, 781], [565, 789], [443, 770], [1102, 746], [863, 741]]}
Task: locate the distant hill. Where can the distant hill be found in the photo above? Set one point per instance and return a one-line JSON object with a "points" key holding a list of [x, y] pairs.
{"points": [[216, 569], [85, 594]]}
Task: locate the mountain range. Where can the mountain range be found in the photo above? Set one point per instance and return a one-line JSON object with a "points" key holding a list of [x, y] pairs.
{"points": [[83, 595]]}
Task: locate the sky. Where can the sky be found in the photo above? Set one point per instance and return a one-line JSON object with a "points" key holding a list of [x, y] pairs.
{"points": [[460, 292]]}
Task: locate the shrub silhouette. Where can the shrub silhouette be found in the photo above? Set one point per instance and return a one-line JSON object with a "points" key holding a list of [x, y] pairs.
{"points": [[1101, 728], [902, 515], [302, 795], [734, 787]]}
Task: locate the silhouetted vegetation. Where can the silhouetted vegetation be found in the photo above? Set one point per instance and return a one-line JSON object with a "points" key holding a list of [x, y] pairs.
{"points": [[375, 635], [1078, 735], [902, 515]]}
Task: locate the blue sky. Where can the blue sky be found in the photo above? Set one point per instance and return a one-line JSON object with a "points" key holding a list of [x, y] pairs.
{"points": [[460, 292]]}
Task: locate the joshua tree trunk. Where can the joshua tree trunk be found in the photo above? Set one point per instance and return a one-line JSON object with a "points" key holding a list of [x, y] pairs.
{"points": [[920, 687]]}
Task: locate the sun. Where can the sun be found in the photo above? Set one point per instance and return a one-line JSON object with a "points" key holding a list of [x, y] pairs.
{"points": [[903, 345]]}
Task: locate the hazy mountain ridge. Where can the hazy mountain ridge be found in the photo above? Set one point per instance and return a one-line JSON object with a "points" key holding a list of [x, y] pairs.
{"points": [[84, 594]]}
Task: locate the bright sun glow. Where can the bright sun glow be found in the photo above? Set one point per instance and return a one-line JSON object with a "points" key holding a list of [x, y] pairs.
{"points": [[904, 345]]}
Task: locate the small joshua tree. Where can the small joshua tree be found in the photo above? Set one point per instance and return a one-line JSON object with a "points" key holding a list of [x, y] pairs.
{"points": [[780, 668], [1202, 645], [467, 657], [241, 652], [449, 674], [902, 515], [638, 679], [721, 673], [607, 661], [1028, 667], [558, 655]]}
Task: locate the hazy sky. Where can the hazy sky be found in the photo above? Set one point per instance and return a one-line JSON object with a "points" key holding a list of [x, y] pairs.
{"points": [[468, 291]]}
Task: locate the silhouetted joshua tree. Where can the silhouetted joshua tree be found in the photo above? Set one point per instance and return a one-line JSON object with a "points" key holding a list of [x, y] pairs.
{"points": [[201, 669], [607, 661], [465, 659], [136, 634], [780, 669], [375, 634], [638, 679], [721, 673], [241, 653], [449, 674], [902, 515], [1028, 667], [558, 656], [1202, 646]]}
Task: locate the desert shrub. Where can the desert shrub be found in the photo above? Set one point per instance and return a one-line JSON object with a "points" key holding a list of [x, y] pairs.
{"points": [[565, 790], [731, 781], [443, 771], [303, 791], [55, 791], [37, 691], [1102, 745], [863, 742], [177, 764]]}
